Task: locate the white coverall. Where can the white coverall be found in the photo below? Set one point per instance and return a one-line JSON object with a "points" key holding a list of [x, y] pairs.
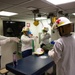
{"points": [[26, 42], [63, 54], [45, 38], [3, 40]]}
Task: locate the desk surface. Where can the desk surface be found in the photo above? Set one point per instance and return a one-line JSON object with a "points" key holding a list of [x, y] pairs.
{"points": [[31, 65]]}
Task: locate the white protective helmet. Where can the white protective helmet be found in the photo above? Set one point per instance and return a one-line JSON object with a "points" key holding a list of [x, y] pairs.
{"points": [[45, 29], [39, 51], [25, 29], [61, 22]]}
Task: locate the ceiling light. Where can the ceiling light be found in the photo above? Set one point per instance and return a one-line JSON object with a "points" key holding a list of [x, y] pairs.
{"points": [[5, 13], [73, 13], [31, 8], [41, 18], [57, 2]]}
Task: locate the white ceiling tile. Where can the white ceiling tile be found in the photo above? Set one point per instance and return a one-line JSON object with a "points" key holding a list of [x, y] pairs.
{"points": [[14, 1]]}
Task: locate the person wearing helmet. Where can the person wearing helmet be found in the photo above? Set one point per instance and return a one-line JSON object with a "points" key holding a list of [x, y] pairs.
{"points": [[26, 40], [45, 37], [63, 52]]}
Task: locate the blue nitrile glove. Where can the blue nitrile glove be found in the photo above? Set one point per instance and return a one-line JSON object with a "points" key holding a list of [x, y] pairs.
{"points": [[29, 32], [52, 42]]}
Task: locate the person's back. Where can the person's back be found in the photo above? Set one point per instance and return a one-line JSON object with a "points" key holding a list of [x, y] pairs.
{"points": [[26, 42], [45, 37], [63, 51], [66, 57]]}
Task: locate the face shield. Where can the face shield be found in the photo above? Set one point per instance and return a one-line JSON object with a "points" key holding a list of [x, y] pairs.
{"points": [[65, 30]]}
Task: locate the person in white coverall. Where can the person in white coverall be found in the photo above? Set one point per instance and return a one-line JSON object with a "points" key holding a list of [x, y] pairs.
{"points": [[45, 37], [63, 52], [4, 40], [26, 40]]}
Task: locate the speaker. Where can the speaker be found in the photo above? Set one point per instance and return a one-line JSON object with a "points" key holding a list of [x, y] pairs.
{"points": [[12, 28]]}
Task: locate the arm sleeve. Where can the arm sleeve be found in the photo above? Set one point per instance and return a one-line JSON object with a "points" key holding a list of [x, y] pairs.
{"points": [[47, 36], [4, 41], [56, 52], [26, 40], [3, 37], [15, 39]]}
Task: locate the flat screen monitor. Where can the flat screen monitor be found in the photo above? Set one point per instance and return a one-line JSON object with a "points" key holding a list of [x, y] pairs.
{"points": [[12, 28]]}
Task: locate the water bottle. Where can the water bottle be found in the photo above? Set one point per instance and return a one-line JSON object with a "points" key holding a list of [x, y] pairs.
{"points": [[15, 59]]}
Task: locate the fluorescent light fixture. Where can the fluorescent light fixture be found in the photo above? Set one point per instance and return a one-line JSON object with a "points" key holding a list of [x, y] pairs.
{"points": [[73, 13], [31, 8], [40, 18], [5, 13], [57, 2]]}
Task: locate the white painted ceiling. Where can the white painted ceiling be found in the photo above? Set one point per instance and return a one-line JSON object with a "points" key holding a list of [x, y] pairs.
{"points": [[22, 7]]}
